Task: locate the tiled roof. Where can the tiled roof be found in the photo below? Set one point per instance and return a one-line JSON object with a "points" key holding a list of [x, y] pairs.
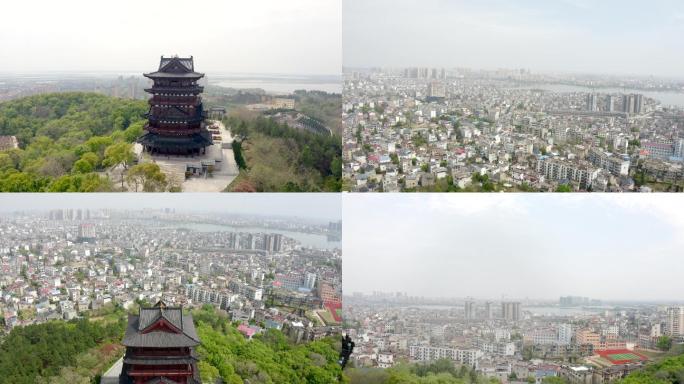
{"points": [[135, 337]]}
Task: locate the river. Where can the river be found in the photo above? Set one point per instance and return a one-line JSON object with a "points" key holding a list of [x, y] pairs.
{"points": [[665, 98], [306, 239], [279, 84], [536, 310]]}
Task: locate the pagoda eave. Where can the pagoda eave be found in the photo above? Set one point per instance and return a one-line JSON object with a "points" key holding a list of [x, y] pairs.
{"points": [[165, 75], [191, 142]]}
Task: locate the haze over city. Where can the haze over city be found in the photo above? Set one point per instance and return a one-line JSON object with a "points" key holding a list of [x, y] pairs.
{"points": [[321, 206], [621, 248], [581, 36], [264, 36]]}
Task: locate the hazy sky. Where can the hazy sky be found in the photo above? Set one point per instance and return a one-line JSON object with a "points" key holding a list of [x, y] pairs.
{"points": [[605, 37], [610, 247], [255, 36], [326, 206]]}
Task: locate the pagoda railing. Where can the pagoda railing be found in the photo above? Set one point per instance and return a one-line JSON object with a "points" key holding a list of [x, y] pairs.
{"points": [[186, 100], [159, 372], [193, 90], [171, 120], [158, 352], [175, 131]]}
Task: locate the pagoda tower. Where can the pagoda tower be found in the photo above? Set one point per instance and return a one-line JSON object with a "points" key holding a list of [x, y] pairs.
{"points": [[160, 347], [175, 123]]}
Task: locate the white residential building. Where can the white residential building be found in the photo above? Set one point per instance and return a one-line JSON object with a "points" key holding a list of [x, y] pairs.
{"points": [[464, 356]]}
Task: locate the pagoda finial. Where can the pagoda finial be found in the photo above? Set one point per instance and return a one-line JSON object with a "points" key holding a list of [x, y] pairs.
{"points": [[161, 303]]}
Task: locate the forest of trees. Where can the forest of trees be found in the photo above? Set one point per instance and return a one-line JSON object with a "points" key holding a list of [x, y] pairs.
{"points": [[36, 353], [65, 139], [280, 158]]}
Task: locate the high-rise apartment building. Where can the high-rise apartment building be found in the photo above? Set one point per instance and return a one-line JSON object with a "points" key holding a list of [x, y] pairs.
{"points": [[675, 321], [469, 310], [510, 310]]}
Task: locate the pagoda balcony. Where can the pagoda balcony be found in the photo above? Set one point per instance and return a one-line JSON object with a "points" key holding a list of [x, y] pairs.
{"points": [[171, 121], [183, 100], [175, 131], [144, 352], [175, 90], [159, 371]]}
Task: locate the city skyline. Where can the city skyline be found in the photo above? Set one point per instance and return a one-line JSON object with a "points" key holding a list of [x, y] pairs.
{"points": [[444, 246], [264, 36], [567, 36], [319, 206]]}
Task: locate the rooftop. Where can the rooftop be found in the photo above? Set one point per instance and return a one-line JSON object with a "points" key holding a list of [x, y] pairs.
{"points": [[161, 327], [175, 67]]}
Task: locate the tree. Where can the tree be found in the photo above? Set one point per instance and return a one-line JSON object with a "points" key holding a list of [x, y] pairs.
{"points": [[82, 166], [664, 343], [89, 182], [119, 154], [98, 144], [134, 131], [5, 161], [563, 188], [21, 182], [147, 176], [336, 167]]}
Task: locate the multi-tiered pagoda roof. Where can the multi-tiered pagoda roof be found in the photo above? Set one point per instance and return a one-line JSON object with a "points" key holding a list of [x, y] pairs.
{"points": [[160, 347], [176, 116]]}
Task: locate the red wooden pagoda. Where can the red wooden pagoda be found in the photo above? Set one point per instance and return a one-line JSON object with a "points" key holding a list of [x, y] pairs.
{"points": [[160, 347], [176, 117]]}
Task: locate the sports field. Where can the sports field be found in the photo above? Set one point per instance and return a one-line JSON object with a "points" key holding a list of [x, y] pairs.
{"points": [[622, 356]]}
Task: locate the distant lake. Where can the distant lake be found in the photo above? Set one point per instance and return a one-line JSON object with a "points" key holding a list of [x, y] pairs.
{"points": [[665, 98], [306, 239], [279, 84], [541, 310], [271, 83], [563, 311]]}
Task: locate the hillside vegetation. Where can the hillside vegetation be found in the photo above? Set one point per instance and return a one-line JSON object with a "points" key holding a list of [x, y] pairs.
{"points": [[323, 106], [438, 372], [669, 370], [42, 353], [65, 139], [268, 358], [278, 158]]}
